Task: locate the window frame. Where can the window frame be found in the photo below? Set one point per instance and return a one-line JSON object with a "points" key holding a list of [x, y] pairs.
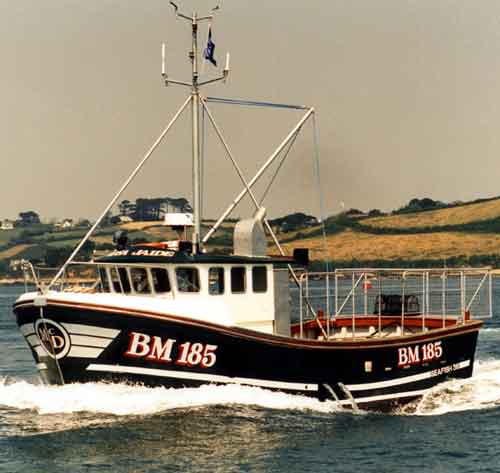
{"points": [[104, 270], [183, 291], [244, 273], [129, 279], [112, 281], [259, 267], [148, 279], [220, 268], [153, 288]]}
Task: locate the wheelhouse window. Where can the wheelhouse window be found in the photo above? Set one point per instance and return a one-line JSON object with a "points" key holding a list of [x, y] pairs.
{"points": [[103, 276], [115, 280], [259, 279], [216, 281], [238, 279], [161, 283], [124, 280], [140, 281], [188, 279]]}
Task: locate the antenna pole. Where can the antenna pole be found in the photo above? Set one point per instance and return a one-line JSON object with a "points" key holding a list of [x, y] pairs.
{"points": [[195, 107]]}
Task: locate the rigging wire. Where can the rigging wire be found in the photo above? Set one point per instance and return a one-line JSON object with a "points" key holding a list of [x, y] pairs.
{"points": [[283, 159], [320, 190], [202, 160], [253, 103]]}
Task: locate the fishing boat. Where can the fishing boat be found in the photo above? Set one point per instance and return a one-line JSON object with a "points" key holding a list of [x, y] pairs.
{"points": [[171, 313]]}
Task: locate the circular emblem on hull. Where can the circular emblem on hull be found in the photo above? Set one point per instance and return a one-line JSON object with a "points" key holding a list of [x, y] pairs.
{"points": [[53, 337]]}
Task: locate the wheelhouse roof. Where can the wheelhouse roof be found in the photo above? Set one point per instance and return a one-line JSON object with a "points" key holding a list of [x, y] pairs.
{"points": [[148, 255]]}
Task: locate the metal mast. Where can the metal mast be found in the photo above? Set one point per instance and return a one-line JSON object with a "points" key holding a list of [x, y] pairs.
{"points": [[195, 108], [195, 104]]}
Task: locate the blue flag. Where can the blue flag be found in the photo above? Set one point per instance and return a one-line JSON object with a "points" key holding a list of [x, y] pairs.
{"points": [[210, 49]]}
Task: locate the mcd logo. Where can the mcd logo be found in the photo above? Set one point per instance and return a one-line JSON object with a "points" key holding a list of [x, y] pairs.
{"points": [[53, 337]]}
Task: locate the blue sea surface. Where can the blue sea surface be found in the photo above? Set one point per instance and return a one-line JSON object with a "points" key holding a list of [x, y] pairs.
{"points": [[117, 428]]}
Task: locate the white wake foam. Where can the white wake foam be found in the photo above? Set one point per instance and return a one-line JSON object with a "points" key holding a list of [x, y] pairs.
{"points": [[479, 392], [482, 391], [118, 399]]}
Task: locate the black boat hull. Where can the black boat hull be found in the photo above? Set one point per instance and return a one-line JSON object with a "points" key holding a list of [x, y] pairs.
{"points": [[79, 343]]}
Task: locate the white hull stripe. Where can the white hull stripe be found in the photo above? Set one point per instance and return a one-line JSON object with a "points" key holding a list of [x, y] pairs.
{"points": [[91, 330], [82, 340], [92, 346], [40, 351], [33, 340], [409, 379], [210, 378], [246, 381], [27, 329], [87, 341], [74, 352], [84, 352]]}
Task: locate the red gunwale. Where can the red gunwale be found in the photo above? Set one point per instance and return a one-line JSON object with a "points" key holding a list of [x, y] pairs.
{"points": [[363, 321]]}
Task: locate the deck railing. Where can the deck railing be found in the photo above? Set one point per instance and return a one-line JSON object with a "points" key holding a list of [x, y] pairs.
{"points": [[447, 294], [81, 274]]}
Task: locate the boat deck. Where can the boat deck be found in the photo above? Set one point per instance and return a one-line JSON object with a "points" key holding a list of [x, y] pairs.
{"points": [[370, 326]]}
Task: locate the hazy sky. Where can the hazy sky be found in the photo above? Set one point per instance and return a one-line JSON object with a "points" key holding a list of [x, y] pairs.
{"points": [[407, 94]]}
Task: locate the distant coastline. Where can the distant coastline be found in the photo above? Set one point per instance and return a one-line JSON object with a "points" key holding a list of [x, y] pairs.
{"points": [[423, 233], [12, 282]]}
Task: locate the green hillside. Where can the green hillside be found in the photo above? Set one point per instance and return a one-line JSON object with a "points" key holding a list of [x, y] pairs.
{"points": [[466, 234]]}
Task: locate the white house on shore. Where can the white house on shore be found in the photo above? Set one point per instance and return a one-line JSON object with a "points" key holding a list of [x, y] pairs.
{"points": [[65, 224], [7, 225]]}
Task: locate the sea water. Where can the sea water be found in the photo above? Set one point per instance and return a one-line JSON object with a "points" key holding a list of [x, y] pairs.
{"points": [[105, 427]]}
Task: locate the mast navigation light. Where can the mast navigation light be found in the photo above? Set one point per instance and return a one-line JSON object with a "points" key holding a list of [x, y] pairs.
{"points": [[163, 68], [226, 67]]}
